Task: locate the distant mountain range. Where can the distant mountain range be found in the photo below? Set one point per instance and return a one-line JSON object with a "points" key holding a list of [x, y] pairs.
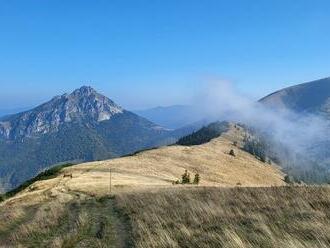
{"points": [[173, 117], [81, 126]]}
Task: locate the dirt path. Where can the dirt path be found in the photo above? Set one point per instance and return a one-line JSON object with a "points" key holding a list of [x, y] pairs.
{"points": [[107, 223], [121, 225]]}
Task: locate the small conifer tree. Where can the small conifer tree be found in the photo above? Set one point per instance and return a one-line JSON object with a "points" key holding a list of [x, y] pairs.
{"points": [[232, 153], [196, 178], [185, 177]]}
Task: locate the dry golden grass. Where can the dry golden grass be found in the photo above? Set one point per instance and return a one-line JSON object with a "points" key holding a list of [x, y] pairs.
{"points": [[69, 219], [291, 217], [164, 165]]}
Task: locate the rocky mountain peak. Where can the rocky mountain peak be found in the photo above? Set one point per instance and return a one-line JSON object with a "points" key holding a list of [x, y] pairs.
{"points": [[82, 105], [84, 91]]}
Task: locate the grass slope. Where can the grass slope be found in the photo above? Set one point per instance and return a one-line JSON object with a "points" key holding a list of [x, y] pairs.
{"points": [[87, 222], [230, 217], [293, 217]]}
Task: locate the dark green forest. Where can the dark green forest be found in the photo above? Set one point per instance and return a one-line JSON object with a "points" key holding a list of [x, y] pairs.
{"points": [[205, 134]]}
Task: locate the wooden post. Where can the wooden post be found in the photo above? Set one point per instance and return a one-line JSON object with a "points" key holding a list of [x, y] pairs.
{"points": [[110, 178]]}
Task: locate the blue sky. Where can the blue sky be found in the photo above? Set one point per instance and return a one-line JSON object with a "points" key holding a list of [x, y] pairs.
{"points": [[145, 53]]}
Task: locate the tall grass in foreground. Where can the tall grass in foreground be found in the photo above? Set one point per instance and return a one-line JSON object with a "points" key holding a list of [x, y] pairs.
{"points": [[172, 217], [230, 217], [78, 223]]}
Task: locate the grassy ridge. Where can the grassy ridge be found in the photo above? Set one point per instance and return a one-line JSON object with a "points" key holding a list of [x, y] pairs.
{"points": [[234, 217], [46, 174]]}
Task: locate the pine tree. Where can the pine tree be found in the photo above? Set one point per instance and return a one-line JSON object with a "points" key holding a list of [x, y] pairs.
{"points": [[196, 178], [185, 177], [232, 153]]}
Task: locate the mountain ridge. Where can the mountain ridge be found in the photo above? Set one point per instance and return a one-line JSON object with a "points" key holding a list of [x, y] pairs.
{"points": [[309, 97], [308, 104]]}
